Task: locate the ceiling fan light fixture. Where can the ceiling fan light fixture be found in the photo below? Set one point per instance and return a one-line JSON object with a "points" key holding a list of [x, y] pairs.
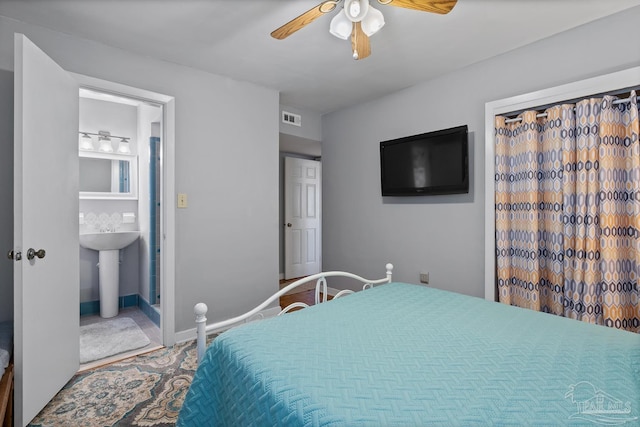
{"points": [[372, 23], [341, 26], [357, 19], [356, 10]]}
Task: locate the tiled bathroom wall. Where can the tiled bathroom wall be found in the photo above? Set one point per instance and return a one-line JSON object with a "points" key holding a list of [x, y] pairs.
{"points": [[105, 222]]}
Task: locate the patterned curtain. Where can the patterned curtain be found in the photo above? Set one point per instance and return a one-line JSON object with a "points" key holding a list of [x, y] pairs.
{"points": [[568, 211]]}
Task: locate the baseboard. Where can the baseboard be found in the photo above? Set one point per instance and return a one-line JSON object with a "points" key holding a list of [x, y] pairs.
{"points": [[190, 334], [151, 312], [93, 307]]}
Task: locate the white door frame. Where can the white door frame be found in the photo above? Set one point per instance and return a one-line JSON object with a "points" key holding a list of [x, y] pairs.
{"points": [[619, 80], [167, 238]]}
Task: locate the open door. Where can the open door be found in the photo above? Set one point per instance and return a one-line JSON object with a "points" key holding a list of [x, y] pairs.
{"points": [[46, 283], [302, 213]]}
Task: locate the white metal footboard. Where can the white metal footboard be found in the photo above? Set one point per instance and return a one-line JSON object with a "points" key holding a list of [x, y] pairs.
{"points": [[200, 309]]}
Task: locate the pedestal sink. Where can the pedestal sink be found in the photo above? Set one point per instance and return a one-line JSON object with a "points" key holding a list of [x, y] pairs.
{"points": [[108, 246]]}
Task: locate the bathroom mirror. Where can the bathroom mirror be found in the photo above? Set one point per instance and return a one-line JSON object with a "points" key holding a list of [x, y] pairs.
{"points": [[108, 176]]}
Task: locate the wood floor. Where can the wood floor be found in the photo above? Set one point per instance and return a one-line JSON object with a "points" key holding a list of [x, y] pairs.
{"points": [[306, 295]]}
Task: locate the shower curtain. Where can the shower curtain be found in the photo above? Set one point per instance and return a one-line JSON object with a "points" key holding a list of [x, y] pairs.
{"points": [[155, 179], [123, 174], [568, 211]]}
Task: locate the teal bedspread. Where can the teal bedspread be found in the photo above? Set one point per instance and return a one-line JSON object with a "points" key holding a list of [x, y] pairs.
{"points": [[408, 355]]}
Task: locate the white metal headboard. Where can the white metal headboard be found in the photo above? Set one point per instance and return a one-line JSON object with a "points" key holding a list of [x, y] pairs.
{"points": [[200, 309]]}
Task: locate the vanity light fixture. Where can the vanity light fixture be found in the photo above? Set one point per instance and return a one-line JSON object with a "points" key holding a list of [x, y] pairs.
{"points": [[104, 142], [123, 146], [86, 142]]}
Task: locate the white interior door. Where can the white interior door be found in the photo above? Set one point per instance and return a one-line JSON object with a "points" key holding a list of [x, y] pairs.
{"points": [[303, 211], [46, 290]]}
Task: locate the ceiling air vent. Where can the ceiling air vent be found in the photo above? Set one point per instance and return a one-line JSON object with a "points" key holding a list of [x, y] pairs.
{"points": [[292, 119]]}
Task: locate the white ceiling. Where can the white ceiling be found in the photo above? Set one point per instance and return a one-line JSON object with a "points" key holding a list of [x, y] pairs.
{"points": [[311, 69]]}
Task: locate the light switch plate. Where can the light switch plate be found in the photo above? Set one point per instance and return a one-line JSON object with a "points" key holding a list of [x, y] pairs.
{"points": [[182, 200]]}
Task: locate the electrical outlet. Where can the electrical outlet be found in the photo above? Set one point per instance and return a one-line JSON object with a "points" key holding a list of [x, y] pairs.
{"points": [[424, 278], [182, 200]]}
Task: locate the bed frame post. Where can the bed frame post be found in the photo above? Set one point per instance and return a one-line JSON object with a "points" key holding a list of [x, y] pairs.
{"points": [[389, 267], [200, 311]]}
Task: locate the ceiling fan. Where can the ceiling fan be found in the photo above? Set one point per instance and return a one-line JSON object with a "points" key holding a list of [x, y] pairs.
{"points": [[358, 19]]}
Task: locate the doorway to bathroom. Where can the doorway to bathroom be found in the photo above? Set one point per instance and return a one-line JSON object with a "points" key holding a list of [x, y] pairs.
{"points": [[46, 208], [121, 181]]}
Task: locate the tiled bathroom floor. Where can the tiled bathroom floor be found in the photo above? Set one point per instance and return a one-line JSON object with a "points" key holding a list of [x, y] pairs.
{"points": [[147, 326]]}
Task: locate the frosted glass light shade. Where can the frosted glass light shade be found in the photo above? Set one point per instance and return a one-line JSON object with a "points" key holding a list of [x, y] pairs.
{"points": [[123, 147], [86, 142], [372, 22], [356, 10], [104, 145], [341, 26]]}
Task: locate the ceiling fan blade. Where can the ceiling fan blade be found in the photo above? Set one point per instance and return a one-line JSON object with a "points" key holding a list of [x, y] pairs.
{"points": [[359, 42], [306, 18], [435, 6]]}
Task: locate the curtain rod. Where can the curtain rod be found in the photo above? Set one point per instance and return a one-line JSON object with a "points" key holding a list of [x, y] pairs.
{"points": [[519, 119]]}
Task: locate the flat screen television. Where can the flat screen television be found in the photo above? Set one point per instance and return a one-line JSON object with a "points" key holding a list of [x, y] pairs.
{"points": [[426, 164]]}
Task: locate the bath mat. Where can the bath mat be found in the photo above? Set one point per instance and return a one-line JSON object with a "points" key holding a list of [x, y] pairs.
{"points": [[104, 339]]}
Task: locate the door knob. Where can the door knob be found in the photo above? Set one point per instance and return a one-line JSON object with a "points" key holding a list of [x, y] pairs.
{"points": [[14, 255], [32, 253], [289, 224]]}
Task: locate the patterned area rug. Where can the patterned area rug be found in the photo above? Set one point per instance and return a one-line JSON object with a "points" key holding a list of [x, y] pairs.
{"points": [[146, 390]]}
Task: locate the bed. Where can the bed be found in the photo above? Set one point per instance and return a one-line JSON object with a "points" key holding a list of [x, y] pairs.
{"points": [[398, 354], [6, 374]]}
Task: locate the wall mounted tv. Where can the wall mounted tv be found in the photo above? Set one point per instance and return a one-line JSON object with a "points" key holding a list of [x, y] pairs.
{"points": [[426, 164]]}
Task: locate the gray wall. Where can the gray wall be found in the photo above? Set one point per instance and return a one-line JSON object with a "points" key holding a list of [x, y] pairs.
{"points": [[6, 194], [443, 235], [227, 240]]}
